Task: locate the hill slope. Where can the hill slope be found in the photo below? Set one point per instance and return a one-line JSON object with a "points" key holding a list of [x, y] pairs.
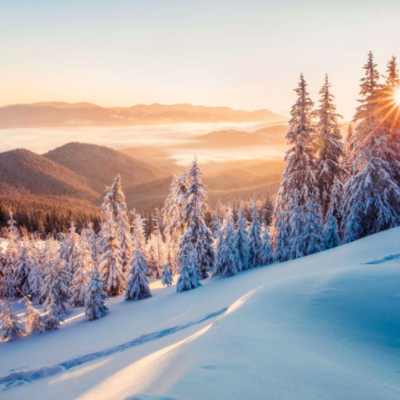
{"points": [[325, 326], [22, 171], [99, 165]]}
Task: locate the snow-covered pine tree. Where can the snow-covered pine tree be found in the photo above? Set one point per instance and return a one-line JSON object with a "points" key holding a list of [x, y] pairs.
{"points": [[242, 243], [371, 198], [267, 209], [80, 278], [282, 245], [328, 143], [265, 255], [10, 324], [255, 238], [349, 155], [10, 258], [167, 279], [153, 262], [299, 179], [197, 233], [69, 250], [313, 226], [138, 236], [24, 265], [95, 296], [137, 287], [33, 320], [226, 260], [110, 260], [56, 288], [172, 211], [114, 204], [296, 227], [389, 110], [330, 236], [188, 273], [35, 277]]}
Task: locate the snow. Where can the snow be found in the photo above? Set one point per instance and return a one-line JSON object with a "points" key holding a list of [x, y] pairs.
{"points": [[325, 326]]}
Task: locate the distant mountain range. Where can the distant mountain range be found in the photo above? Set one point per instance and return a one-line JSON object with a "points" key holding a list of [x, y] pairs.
{"points": [[76, 175], [62, 114]]}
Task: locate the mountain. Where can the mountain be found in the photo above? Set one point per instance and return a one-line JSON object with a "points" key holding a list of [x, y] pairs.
{"points": [[62, 114], [324, 326], [99, 165], [24, 172]]}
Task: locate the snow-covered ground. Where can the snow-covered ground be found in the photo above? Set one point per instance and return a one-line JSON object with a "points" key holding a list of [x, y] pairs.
{"points": [[323, 327]]}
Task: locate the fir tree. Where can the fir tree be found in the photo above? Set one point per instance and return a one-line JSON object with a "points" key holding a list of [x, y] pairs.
{"points": [[137, 287], [10, 257], [330, 234], [24, 264], [114, 207], [33, 320], [167, 279], [188, 274], [313, 228], [197, 233], [255, 238], [328, 142], [371, 198], [95, 297], [300, 159], [242, 243], [265, 256], [226, 258], [56, 287], [11, 326], [282, 247], [110, 260], [80, 278]]}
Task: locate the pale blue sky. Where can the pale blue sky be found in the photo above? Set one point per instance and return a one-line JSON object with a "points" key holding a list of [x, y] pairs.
{"points": [[243, 54]]}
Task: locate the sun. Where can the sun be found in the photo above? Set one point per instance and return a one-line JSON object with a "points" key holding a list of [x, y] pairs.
{"points": [[397, 96]]}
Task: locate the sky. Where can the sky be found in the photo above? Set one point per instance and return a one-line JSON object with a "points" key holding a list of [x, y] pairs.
{"points": [[242, 54]]}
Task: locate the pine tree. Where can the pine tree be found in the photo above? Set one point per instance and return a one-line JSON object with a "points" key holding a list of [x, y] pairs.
{"points": [[188, 274], [80, 278], [95, 297], [242, 243], [167, 279], [33, 320], [173, 208], [69, 251], [11, 325], [296, 225], [371, 198], [56, 288], [197, 233], [10, 258], [282, 246], [35, 277], [255, 238], [313, 228], [328, 142], [349, 156], [300, 159], [266, 255], [24, 264], [114, 207], [330, 234], [137, 287], [226, 258]]}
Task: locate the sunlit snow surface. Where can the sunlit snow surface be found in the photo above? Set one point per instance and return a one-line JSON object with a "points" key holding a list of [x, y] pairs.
{"points": [[322, 327]]}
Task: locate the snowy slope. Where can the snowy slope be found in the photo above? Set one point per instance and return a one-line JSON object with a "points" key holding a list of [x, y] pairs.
{"points": [[322, 327]]}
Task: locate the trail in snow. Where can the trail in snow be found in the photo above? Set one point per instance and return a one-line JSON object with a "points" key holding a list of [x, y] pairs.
{"points": [[17, 378], [391, 257]]}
